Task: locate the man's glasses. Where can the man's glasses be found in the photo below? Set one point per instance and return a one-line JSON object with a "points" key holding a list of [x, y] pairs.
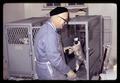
{"points": [[64, 19]]}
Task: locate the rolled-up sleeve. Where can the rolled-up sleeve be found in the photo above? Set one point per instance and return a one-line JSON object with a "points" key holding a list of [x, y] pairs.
{"points": [[54, 53]]}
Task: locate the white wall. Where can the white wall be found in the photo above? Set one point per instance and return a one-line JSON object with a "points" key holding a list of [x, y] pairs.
{"points": [[13, 11], [107, 10], [35, 10], [38, 10]]}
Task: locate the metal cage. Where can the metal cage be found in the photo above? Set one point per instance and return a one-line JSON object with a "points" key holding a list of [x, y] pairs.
{"points": [[89, 30], [20, 42], [20, 38]]}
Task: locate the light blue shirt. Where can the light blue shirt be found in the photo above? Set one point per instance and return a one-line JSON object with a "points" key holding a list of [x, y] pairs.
{"points": [[48, 48]]}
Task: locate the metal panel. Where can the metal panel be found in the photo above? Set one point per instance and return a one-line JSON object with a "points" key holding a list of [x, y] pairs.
{"points": [[107, 30], [96, 44], [20, 38], [20, 63]]}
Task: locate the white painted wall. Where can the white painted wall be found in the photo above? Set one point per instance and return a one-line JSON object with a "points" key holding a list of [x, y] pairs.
{"points": [[38, 10], [13, 11], [35, 10]]}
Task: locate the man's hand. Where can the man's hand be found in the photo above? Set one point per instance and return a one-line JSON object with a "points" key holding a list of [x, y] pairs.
{"points": [[71, 75]]}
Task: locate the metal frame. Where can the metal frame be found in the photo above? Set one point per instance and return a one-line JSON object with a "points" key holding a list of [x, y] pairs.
{"points": [[26, 26], [87, 45], [30, 24], [87, 42]]}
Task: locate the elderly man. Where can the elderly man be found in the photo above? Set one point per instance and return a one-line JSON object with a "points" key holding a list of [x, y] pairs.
{"points": [[50, 62]]}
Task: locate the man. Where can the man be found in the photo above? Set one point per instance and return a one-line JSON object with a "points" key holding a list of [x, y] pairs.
{"points": [[50, 62]]}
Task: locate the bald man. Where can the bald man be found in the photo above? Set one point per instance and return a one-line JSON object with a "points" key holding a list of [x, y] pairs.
{"points": [[50, 62]]}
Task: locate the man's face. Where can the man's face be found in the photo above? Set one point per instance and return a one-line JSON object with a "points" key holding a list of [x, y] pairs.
{"points": [[63, 19]]}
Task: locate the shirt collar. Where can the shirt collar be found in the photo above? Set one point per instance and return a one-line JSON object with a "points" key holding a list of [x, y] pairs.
{"points": [[51, 24], [54, 28]]}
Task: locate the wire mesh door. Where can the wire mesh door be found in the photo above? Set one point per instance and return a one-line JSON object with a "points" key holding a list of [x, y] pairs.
{"points": [[20, 62], [34, 32]]}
